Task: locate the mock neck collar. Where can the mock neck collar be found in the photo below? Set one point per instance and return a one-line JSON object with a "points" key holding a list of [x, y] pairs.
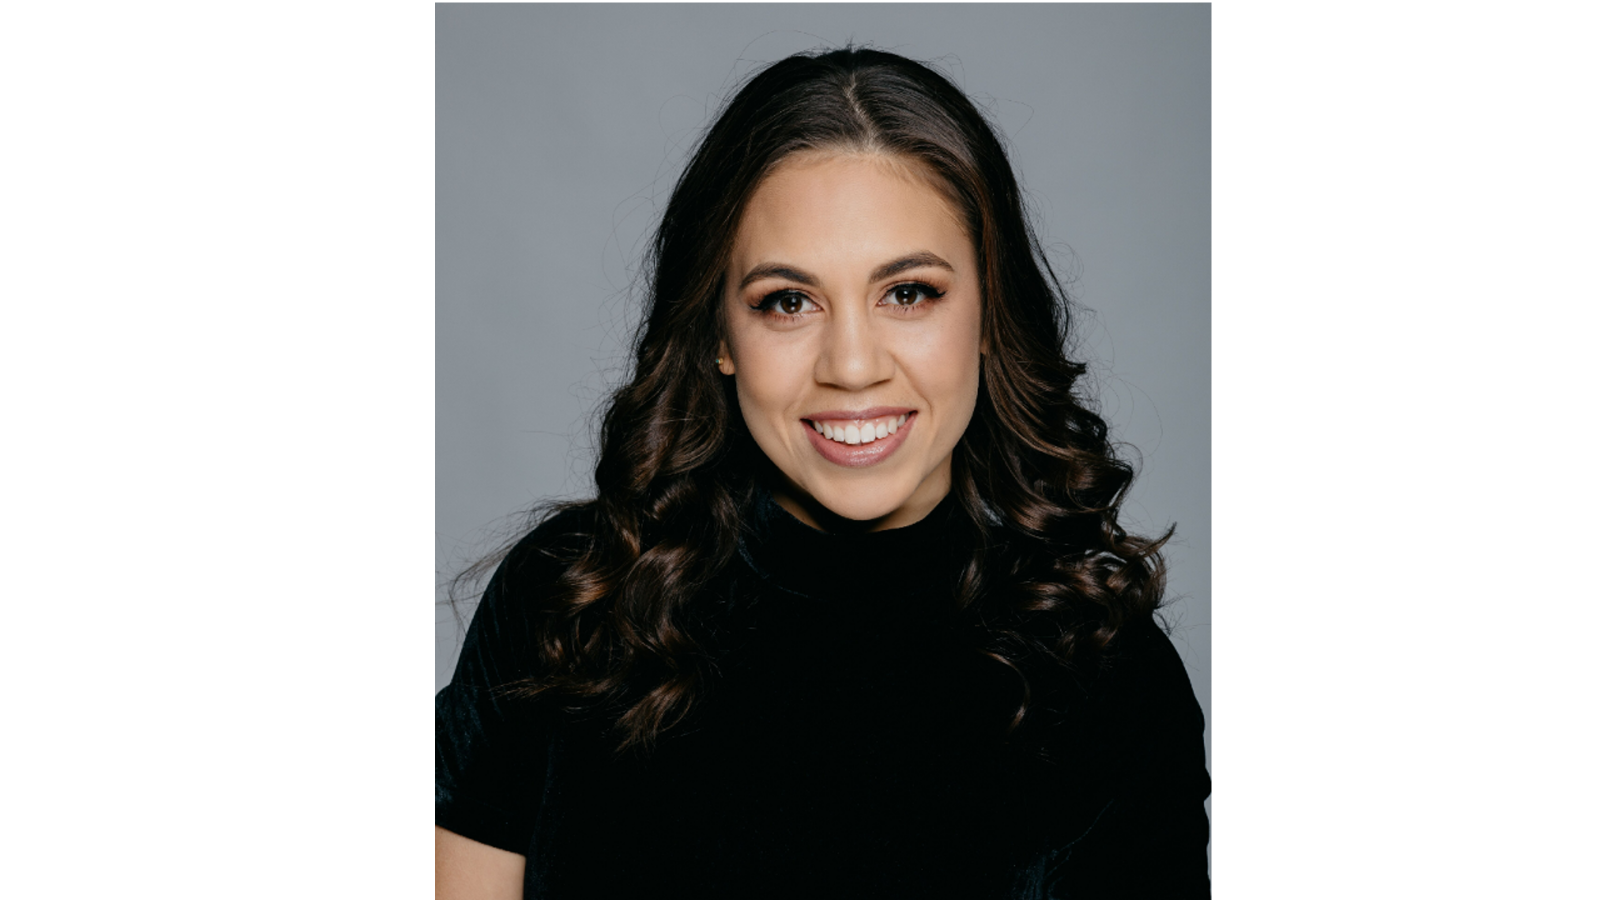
{"points": [[897, 562]]}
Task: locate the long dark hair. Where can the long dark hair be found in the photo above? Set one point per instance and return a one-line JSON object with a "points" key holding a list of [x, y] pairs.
{"points": [[1052, 575]]}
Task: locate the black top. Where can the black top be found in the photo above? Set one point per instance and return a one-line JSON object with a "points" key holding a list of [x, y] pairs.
{"points": [[853, 744]]}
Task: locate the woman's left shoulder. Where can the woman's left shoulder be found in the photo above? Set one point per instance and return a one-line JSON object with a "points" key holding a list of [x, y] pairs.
{"points": [[1136, 718], [1123, 783], [1127, 817], [1143, 679], [1142, 662]]}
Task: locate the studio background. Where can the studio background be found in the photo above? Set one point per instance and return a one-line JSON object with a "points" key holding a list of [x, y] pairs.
{"points": [[562, 128]]}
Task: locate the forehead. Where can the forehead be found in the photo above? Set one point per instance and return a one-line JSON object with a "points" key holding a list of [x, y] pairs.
{"points": [[842, 204]]}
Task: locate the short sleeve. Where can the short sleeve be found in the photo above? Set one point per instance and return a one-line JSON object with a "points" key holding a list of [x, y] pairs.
{"points": [[490, 747], [1150, 830]]}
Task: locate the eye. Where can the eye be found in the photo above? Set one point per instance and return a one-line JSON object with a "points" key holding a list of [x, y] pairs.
{"points": [[784, 303], [912, 293]]}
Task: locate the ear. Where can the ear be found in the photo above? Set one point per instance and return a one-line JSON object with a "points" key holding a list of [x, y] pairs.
{"points": [[724, 359]]}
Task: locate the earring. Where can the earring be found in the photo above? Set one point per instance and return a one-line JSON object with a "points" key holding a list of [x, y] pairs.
{"points": [[719, 362]]}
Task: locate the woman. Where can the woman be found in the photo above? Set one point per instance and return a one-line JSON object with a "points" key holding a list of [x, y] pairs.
{"points": [[851, 613]]}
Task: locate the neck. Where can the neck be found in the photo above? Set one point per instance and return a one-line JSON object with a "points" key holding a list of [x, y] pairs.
{"points": [[802, 558]]}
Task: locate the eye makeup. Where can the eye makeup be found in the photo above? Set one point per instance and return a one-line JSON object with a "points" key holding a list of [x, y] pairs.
{"points": [[903, 298]]}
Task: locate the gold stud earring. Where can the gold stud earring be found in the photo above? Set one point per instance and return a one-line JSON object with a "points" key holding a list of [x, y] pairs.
{"points": [[719, 362]]}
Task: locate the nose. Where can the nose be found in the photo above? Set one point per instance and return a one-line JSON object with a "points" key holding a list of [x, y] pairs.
{"points": [[854, 356]]}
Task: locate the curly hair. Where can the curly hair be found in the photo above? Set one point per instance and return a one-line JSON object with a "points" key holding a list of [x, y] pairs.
{"points": [[1052, 575]]}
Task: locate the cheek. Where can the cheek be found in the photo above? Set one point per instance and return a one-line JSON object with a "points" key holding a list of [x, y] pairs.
{"points": [[949, 361], [755, 403], [954, 388], [769, 377]]}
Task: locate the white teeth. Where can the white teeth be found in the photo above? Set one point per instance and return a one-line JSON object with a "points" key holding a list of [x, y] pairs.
{"points": [[860, 432]]}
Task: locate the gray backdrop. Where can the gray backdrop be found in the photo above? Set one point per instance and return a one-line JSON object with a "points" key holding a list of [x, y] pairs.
{"points": [[561, 129]]}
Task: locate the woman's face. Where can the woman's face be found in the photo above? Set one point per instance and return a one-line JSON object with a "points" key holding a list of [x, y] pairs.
{"points": [[854, 330]]}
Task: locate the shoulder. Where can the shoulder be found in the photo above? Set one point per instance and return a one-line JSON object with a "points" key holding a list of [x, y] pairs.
{"points": [[1141, 748], [1136, 721], [546, 551], [501, 643], [1144, 667]]}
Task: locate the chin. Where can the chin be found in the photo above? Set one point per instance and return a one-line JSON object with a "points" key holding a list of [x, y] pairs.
{"points": [[862, 512], [862, 505]]}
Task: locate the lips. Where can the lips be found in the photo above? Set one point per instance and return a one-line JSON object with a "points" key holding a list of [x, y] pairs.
{"points": [[859, 438]]}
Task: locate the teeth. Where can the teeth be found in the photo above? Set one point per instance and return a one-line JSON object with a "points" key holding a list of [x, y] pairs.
{"points": [[860, 432]]}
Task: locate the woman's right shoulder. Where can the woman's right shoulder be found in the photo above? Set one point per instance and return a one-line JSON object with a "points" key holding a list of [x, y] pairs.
{"points": [[548, 550], [526, 579], [502, 642]]}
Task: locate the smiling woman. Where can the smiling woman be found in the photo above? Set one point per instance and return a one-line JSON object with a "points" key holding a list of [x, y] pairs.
{"points": [[854, 336], [852, 613]]}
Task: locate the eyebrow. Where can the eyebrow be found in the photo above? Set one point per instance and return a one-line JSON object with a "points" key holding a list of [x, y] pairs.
{"points": [[887, 270]]}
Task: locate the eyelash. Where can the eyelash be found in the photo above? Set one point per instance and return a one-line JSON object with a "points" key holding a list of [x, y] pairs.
{"points": [[769, 303]]}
